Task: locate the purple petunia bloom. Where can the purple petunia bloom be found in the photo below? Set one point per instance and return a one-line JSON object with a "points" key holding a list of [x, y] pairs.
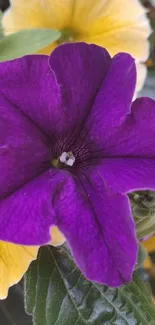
{"points": [[71, 147]]}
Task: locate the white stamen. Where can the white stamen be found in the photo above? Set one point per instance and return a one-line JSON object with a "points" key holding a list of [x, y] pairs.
{"points": [[67, 158]]}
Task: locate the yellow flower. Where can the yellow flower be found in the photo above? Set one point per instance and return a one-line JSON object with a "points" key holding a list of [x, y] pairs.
{"points": [[117, 25], [149, 245], [15, 260]]}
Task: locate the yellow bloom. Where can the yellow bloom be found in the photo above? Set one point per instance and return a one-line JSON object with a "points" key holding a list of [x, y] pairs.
{"points": [[149, 245], [15, 260], [117, 25]]}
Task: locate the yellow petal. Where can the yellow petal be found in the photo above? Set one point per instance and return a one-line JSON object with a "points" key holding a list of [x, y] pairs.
{"points": [[117, 25], [147, 263], [14, 262], [126, 39], [57, 237], [23, 14], [103, 16], [149, 244]]}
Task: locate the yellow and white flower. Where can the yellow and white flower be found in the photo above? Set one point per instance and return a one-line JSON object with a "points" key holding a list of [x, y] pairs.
{"points": [[117, 25]]}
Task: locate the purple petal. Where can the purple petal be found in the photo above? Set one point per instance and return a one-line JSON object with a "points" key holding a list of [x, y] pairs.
{"points": [[26, 215], [80, 70], [114, 99], [29, 84], [136, 136], [128, 174], [24, 149], [99, 228], [131, 162]]}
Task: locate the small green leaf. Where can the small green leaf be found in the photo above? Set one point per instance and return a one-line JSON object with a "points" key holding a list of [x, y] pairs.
{"points": [[26, 42], [142, 255], [64, 297]]}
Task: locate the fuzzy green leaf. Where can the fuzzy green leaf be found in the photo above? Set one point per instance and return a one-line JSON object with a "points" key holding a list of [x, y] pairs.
{"points": [[64, 297], [26, 42], [142, 255]]}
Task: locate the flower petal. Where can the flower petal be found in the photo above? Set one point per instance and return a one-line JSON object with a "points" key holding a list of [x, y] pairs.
{"points": [[128, 162], [48, 103], [110, 29], [136, 136], [98, 23], [14, 262], [114, 99], [24, 149], [37, 14], [79, 81], [128, 174], [57, 237], [29, 84], [149, 244], [27, 215], [99, 228]]}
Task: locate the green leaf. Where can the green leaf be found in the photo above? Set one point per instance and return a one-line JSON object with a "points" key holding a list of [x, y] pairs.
{"points": [[149, 87], [64, 297], [145, 227], [143, 211], [26, 42], [30, 287], [142, 255]]}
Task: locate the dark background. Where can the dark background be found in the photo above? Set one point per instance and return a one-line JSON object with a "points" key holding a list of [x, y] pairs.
{"points": [[4, 4]]}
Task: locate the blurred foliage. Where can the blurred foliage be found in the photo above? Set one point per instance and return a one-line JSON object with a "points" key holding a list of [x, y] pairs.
{"points": [[143, 210]]}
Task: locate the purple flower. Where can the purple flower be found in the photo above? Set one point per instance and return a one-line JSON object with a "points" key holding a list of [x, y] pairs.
{"points": [[71, 147]]}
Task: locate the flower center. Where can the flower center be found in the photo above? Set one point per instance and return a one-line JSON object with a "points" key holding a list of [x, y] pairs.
{"points": [[67, 36], [66, 158]]}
